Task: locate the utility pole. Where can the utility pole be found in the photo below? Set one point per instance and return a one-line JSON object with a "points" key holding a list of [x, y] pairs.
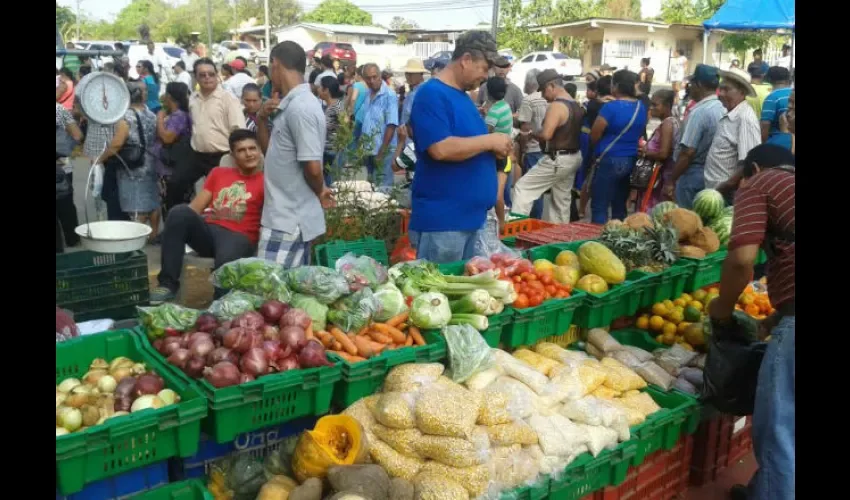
{"points": [[209, 25], [494, 25], [268, 28], [78, 19]]}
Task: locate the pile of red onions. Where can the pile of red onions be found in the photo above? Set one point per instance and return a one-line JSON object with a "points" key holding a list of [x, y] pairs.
{"points": [[256, 343]]}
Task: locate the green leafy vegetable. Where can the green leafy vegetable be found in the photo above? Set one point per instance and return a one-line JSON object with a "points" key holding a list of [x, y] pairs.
{"points": [[167, 316], [355, 311], [253, 275], [468, 352], [317, 311], [323, 283], [392, 302], [233, 304], [430, 310]]}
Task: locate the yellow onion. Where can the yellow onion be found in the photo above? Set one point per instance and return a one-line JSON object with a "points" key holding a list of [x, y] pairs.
{"points": [[139, 368], [107, 384], [61, 431], [121, 373], [69, 418], [120, 361], [99, 364], [92, 376], [60, 398], [79, 396], [146, 401], [90, 415], [68, 384], [168, 396]]}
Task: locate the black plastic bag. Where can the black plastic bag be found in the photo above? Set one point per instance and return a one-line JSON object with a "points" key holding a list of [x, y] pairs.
{"points": [[732, 367]]}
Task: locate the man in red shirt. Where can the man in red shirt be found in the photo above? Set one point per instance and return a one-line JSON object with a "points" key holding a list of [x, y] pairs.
{"points": [[222, 222], [765, 217]]}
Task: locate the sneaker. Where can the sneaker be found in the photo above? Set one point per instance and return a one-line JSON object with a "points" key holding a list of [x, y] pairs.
{"points": [[162, 294], [738, 492]]}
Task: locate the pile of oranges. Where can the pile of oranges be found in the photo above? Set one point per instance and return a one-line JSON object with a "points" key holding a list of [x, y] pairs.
{"points": [[755, 302]]}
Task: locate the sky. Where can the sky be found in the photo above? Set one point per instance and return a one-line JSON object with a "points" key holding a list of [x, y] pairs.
{"points": [[439, 14]]}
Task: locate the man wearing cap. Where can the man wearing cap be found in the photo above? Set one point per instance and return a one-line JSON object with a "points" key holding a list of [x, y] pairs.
{"points": [[776, 103], [606, 70], [761, 87], [514, 96], [561, 160], [414, 73], [737, 133], [698, 132], [235, 83], [455, 184]]}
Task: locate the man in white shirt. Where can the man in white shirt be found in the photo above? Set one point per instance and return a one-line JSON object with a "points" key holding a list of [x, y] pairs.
{"points": [[785, 60], [738, 131], [239, 79], [181, 75]]}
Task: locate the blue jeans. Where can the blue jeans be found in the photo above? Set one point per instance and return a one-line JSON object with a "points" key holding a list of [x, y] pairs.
{"points": [[774, 422], [610, 188], [528, 163], [442, 247], [386, 178], [688, 185]]}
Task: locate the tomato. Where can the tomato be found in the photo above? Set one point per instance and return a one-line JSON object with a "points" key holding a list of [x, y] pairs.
{"points": [[530, 276], [521, 301], [537, 285], [517, 279], [546, 279], [535, 301], [551, 289]]}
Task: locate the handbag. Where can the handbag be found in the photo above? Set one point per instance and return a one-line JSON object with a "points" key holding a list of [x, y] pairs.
{"points": [[133, 155], [178, 153], [585, 188], [644, 169]]}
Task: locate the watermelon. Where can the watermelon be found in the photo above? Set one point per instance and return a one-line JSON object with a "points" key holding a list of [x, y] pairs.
{"points": [[708, 204], [722, 227], [728, 211], [662, 208]]}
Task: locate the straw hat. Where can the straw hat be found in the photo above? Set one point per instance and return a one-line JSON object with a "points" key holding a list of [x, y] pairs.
{"points": [[740, 78], [414, 66]]}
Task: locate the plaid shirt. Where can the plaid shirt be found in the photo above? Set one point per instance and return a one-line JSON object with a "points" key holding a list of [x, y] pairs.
{"points": [[98, 137]]}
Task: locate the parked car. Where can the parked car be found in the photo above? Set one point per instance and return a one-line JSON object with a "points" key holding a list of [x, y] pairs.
{"points": [[564, 65], [342, 51], [97, 62], [167, 54], [244, 49], [443, 56]]}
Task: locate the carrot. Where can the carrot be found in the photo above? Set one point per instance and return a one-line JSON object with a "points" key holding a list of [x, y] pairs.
{"points": [[336, 346], [326, 338], [398, 319], [402, 326], [308, 333], [380, 337], [364, 330], [396, 334], [417, 337], [343, 339], [409, 340], [350, 358], [364, 346]]}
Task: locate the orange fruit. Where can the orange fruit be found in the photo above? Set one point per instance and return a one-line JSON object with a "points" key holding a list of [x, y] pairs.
{"points": [[680, 329], [680, 302], [643, 322], [752, 310], [714, 290], [746, 299], [668, 339], [659, 309], [656, 323], [696, 305], [668, 328]]}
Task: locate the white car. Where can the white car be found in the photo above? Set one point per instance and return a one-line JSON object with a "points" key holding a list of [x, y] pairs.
{"points": [[542, 61], [243, 49], [97, 45], [165, 54]]}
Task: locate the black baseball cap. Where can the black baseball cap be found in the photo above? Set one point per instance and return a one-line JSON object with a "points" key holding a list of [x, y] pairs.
{"points": [[704, 73], [481, 41], [546, 76]]}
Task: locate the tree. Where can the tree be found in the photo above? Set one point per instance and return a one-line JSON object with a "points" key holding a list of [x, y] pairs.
{"points": [[138, 13], [339, 12], [65, 20], [621, 9], [281, 12], [400, 23]]}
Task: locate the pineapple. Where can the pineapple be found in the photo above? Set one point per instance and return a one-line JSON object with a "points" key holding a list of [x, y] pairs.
{"points": [[628, 245], [663, 242]]}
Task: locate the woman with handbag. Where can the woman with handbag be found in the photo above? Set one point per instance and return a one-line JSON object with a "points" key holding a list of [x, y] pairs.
{"points": [[138, 190], [172, 150], [659, 151], [615, 135]]}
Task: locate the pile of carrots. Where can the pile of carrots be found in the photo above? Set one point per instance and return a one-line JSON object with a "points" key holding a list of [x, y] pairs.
{"points": [[372, 339]]}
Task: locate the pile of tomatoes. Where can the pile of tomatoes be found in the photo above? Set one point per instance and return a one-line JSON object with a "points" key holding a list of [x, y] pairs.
{"points": [[535, 287]]}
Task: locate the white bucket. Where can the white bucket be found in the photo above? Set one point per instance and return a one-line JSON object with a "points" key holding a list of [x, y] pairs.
{"points": [[113, 236]]}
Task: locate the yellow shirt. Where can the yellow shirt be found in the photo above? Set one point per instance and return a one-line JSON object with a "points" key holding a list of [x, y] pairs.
{"points": [[214, 117], [762, 91]]}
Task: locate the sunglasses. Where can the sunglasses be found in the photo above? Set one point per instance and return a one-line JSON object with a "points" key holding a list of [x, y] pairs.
{"points": [[206, 75]]}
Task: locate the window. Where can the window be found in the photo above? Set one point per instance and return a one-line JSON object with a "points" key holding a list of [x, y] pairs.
{"points": [[323, 45], [630, 48], [373, 41], [347, 46], [559, 56], [172, 51], [528, 59], [246, 45], [540, 57]]}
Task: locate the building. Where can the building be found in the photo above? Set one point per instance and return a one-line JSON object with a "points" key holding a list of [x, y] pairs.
{"points": [[309, 34], [623, 43], [426, 42]]}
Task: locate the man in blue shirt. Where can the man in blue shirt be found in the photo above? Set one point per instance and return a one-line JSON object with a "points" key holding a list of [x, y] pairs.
{"points": [[759, 62], [776, 103], [455, 184], [380, 119]]}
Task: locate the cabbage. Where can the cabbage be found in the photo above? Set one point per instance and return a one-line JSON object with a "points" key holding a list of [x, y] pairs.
{"points": [[317, 311], [392, 302], [430, 310]]}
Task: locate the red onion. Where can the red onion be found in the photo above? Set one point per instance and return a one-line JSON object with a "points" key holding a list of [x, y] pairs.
{"points": [[206, 323], [291, 335], [313, 355], [220, 354], [179, 358], [169, 345], [171, 332], [251, 320], [254, 362], [195, 367], [124, 389], [223, 374], [288, 363], [198, 335], [296, 317], [270, 332], [157, 344], [184, 339], [245, 378], [238, 339], [201, 347], [219, 334], [148, 383], [227, 324], [272, 349], [272, 310]]}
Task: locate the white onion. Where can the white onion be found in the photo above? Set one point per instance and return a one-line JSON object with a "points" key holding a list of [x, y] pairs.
{"points": [[107, 384], [69, 418], [61, 431], [168, 396], [146, 401], [60, 398], [67, 385]]}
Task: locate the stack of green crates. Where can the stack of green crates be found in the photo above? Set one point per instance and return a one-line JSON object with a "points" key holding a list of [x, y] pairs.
{"points": [[327, 254]]}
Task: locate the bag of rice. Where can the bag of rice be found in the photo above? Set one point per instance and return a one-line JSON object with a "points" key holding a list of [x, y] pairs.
{"points": [[598, 438], [594, 351], [514, 433], [361, 412], [674, 358], [633, 416], [643, 403], [621, 378], [395, 409], [594, 411], [521, 371], [431, 486], [482, 379], [494, 409], [396, 464], [452, 451], [403, 441], [642, 355], [540, 363], [592, 375], [654, 374], [512, 466], [626, 357], [520, 397], [606, 393], [603, 340], [559, 354], [412, 376], [566, 384], [475, 479], [443, 411]]}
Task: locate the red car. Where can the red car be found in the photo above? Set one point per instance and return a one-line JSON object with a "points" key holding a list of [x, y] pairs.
{"points": [[342, 51]]}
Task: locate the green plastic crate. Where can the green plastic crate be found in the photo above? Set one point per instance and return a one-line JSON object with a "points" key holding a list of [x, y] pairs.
{"points": [[366, 377], [102, 285], [328, 253], [705, 271], [587, 474], [663, 429], [509, 242], [124, 443], [537, 491], [192, 489], [553, 317], [637, 338], [269, 400], [667, 284], [453, 268]]}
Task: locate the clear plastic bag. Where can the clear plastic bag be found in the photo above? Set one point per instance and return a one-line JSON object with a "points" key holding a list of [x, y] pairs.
{"points": [[698, 362], [627, 358], [641, 402], [167, 316], [642, 355], [511, 467], [482, 379], [674, 358], [477, 265], [396, 464], [592, 375], [475, 479], [361, 412], [517, 432], [594, 351], [468, 352], [520, 397], [655, 375], [540, 363], [621, 378], [566, 384], [591, 410], [606, 393], [452, 451], [253, 275], [325, 284], [521, 371], [603, 340], [353, 312], [598, 438], [553, 465], [317, 311], [361, 272], [488, 242], [233, 304], [404, 441], [395, 410], [559, 354], [412, 377], [433, 486], [494, 409], [444, 410]]}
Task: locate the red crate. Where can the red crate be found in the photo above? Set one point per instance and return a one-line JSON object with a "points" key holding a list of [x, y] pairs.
{"points": [[719, 443], [662, 476], [517, 227], [561, 233]]}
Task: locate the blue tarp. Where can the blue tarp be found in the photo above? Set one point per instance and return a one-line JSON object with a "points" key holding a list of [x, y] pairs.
{"points": [[753, 15]]}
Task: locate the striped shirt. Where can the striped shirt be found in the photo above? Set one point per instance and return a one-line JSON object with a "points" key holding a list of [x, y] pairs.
{"points": [[532, 111], [381, 110], [737, 133], [774, 106], [332, 115], [500, 118], [767, 203], [699, 128]]}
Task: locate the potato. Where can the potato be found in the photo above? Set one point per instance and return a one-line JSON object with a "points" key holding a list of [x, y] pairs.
{"points": [[370, 481], [311, 489]]}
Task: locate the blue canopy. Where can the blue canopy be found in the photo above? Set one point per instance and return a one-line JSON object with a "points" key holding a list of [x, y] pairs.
{"points": [[753, 15]]}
